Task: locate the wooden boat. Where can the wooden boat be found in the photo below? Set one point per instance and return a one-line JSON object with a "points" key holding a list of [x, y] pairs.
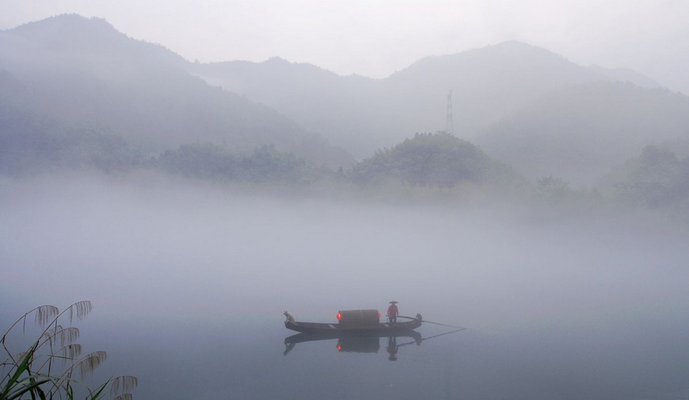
{"points": [[338, 329], [315, 337]]}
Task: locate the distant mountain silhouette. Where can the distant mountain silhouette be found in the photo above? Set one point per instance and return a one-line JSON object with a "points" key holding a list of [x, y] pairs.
{"points": [[363, 114], [345, 110], [83, 72], [580, 132], [627, 75], [33, 142], [522, 104]]}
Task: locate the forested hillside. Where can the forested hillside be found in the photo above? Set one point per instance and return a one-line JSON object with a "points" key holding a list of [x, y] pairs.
{"points": [[656, 179], [522, 104], [76, 93], [434, 160], [32, 142], [580, 132], [82, 73]]}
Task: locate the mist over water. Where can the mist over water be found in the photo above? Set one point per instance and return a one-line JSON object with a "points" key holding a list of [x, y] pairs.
{"points": [[189, 282], [193, 203]]}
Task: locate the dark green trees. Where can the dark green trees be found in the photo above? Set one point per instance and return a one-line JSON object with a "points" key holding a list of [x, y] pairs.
{"points": [[431, 160], [655, 179], [207, 161]]}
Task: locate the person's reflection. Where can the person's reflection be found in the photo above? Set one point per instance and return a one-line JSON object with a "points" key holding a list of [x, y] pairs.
{"points": [[392, 348]]}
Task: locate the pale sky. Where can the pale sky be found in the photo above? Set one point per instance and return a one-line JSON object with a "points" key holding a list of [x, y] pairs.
{"points": [[376, 38]]}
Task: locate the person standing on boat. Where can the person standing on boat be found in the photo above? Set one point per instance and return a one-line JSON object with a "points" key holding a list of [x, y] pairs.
{"points": [[393, 312]]}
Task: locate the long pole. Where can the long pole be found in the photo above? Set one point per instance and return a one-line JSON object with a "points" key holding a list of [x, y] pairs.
{"points": [[432, 337], [431, 322]]}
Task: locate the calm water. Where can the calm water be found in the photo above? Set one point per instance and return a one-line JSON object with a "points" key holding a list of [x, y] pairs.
{"points": [[189, 284]]}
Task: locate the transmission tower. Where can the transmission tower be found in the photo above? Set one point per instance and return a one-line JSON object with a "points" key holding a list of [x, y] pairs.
{"points": [[449, 123]]}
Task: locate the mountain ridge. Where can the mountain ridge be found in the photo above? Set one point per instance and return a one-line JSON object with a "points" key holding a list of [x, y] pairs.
{"points": [[412, 100], [142, 91], [147, 91], [581, 131]]}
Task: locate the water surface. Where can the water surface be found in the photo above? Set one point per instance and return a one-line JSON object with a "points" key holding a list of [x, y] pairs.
{"points": [[189, 283]]}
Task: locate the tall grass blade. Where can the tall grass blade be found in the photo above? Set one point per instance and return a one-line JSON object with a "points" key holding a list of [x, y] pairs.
{"points": [[22, 367], [20, 379], [32, 386], [98, 393]]}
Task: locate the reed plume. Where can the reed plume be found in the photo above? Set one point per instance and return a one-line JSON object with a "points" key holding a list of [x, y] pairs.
{"points": [[22, 375]]}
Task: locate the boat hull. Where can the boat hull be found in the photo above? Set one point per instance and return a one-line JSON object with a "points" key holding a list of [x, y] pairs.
{"points": [[337, 330]]}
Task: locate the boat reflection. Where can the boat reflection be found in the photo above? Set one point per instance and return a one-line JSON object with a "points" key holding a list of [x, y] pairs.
{"points": [[362, 342]]}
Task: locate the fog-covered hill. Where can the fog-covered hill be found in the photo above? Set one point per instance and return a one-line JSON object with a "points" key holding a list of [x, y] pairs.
{"points": [[627, 75], [348, 111], [433, 160], [82, 72], [580, 132], [656, 179], [364, 114], [522, 104], [31, 141]]}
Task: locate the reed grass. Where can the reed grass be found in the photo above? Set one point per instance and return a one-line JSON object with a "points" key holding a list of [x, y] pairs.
{"points": [[47, 369]]}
